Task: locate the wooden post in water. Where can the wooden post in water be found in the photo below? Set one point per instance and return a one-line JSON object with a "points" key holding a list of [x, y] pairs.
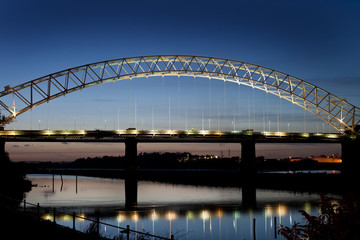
{"points": [[254, 228], [98, 226], [275, 228], [54, 213], [127, 231], [53, 183], [38, 211], [76, 183], [74, 220]]}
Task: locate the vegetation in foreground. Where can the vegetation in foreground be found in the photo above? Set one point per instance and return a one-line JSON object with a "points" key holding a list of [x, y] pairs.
{"points": [[337, 220]]}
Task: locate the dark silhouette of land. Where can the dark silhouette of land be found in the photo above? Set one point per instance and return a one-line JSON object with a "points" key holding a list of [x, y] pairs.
{"points": [[185, 168], [20, 225], [179, 161], [16, 224]]}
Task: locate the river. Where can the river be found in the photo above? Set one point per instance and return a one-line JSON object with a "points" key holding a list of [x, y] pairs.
{"points": [[187, 212]]}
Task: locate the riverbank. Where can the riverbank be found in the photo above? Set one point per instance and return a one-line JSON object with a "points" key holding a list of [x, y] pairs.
{"points": [[21, 225], [305, 182]]}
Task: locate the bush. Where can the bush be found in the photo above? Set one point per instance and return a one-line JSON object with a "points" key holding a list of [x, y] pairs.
{"points": [[337, 220]]}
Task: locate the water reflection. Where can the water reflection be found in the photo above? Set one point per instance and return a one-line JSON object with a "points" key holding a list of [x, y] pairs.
{"points": [[187, 212]]}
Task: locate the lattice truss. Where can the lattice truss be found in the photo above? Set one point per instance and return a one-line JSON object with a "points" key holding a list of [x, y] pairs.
{"points": [[336, 111]]}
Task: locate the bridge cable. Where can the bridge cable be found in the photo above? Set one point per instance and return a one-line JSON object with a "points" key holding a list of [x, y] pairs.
{"points": [[31, 119], [263, 116], [186, 117], [249, 114], [210, 115], [253, 105], [163, 107], [317, 122], [218, 121], [202, 116], [239, 98], [118, 117], [178, 99], [234, 119], [195, 113], [279, 116], [225, 102], [292, 118], [47, 115], [152, 104], [305, 120], [267, 111], [169, 110]]}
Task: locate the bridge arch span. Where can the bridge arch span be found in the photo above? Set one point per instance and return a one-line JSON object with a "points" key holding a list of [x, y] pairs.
{"points": [[335, 111]]}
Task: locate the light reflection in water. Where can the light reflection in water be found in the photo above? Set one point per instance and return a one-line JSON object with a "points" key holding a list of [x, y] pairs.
{"points": [[188, 212]]}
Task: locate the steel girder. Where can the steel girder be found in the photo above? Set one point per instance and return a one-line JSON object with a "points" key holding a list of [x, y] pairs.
{"points": [[334, 110]]}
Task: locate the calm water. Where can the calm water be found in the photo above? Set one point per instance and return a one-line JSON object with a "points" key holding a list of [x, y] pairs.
{"points": [[187, 212]]}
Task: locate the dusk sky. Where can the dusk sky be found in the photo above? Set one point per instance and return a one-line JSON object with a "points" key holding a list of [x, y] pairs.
{"points": [[317, 41]]}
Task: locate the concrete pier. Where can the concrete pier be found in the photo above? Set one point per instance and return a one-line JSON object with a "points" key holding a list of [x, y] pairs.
{"points": [[350, 154], [248, 158], [131, 168], [2, 147]]}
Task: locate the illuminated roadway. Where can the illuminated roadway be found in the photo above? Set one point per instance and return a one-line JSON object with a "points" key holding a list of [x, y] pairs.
{"points": [[168, 136]]}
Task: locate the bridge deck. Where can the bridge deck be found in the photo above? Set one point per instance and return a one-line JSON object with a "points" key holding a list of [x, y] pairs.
{"points": [[167, 136]]}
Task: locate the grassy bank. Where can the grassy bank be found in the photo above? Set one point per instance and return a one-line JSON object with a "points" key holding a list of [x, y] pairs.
{"points": [[21, 225]]}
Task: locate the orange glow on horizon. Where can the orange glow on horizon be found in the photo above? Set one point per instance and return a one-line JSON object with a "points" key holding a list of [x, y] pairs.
{"points": [[322, 159]]}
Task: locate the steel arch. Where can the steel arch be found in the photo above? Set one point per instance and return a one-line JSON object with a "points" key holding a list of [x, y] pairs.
{"points": [[335, 111]]}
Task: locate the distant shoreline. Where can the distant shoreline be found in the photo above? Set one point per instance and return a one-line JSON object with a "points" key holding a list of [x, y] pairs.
{"points": [[311, 182]]}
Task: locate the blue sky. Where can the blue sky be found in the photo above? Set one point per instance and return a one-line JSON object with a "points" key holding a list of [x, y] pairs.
{"points": [[316, 41]]}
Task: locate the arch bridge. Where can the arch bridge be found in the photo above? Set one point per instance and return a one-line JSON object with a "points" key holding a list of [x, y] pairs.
{"points": [[333, 110]]}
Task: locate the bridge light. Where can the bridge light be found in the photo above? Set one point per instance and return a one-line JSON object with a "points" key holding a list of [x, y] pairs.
{"points": [[332, 136], [203, 132], [135, 217], [171, 215], [205, 215], [82, 217], [65, 218], [282, 210], [120, 217], [48, 132], [154, 216], [190, 215], [48, 217], [305, 135]]}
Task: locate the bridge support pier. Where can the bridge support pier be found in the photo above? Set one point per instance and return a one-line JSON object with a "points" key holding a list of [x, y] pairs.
{"points": [[248, 172], [350, 154], [248, 158], [2, 151], [131, 168], [2, 148]]}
